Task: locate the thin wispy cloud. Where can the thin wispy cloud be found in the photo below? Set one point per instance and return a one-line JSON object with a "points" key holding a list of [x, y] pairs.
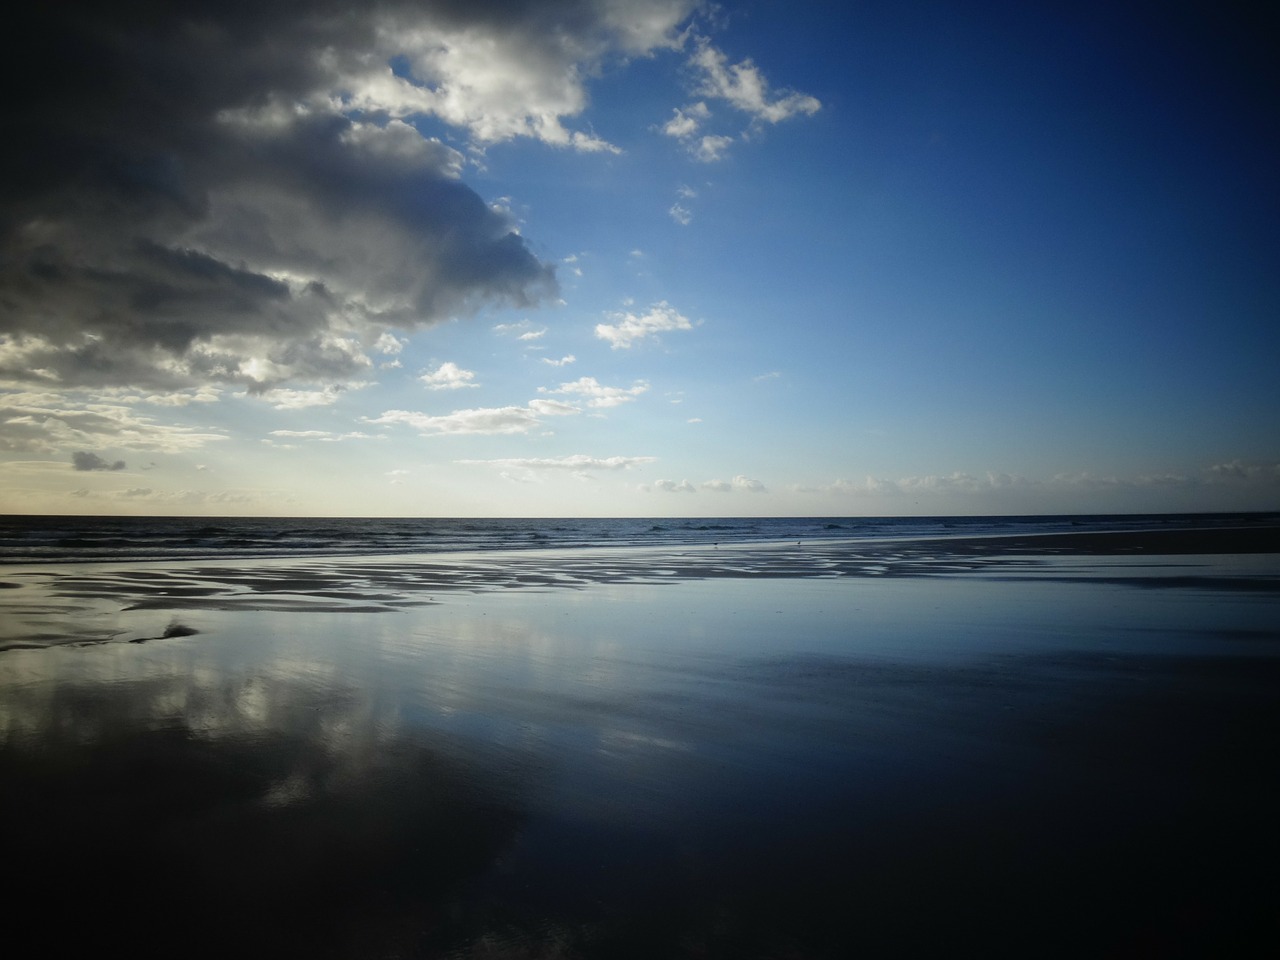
{"points": [[39, 423], [573, 462], [597, 394], [323, 436], [286, 399], [479, 420]]}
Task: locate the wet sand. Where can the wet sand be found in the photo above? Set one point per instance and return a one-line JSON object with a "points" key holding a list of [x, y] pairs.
{"points": [[1018, 746]]}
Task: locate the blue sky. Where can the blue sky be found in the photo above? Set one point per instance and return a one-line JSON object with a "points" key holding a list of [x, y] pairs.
{"points": [[654, 258]]}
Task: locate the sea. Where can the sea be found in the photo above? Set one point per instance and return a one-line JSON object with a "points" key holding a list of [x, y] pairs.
{"points": [[459, 739], [60, 539]]}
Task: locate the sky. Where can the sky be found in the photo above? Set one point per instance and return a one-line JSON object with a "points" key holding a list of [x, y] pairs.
{"points": [[639, 258]]}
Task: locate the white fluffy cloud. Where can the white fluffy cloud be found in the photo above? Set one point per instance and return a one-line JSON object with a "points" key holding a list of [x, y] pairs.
{"points": [[508, 71], [449, 376], [686, 121], [627, 329], [389, 344]]}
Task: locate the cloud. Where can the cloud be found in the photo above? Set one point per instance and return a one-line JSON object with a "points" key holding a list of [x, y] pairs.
{"points": [[686, 121], [523, 331], [284, 398], [629, 328], [482, 420], [237, 193], [745, 484], [744, 87], [574, 462], [448, 376], [929, 484], [740, 85], [39, 422], [710, 148], [324, 436], [680, 214], [552, 408], [672, 486], [83, 460], [518, 329], [389, 344], [599, 395], [501, 70], [303, 434], [562, 362], [1246, 470], [181, 398]]}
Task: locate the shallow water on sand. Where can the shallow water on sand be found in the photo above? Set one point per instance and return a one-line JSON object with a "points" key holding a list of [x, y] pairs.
{"points": [[1071, 762]]}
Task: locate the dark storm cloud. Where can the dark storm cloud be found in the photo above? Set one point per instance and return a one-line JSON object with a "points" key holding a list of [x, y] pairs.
{"points": [[182, 202], [83, 460]]}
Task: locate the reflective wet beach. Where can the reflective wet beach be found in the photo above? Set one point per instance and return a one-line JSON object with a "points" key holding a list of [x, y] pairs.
{"points": [[1064, 759]]}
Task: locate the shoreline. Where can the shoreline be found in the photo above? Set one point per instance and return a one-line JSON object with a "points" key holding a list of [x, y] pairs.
{"points": [[52, 604]]}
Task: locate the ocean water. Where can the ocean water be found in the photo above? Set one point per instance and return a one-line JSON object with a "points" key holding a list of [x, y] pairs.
{"points": [[442, 739], [34, 539]]}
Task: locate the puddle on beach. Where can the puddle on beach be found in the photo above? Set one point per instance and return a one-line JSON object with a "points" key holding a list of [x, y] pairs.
{"points": [[712, 768]]}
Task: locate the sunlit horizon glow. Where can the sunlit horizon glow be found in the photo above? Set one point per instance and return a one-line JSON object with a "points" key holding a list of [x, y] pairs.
{"points": [[654, 259]]}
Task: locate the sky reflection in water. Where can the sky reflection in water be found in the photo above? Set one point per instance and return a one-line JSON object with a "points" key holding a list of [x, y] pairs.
{"points": [[713, 768]]}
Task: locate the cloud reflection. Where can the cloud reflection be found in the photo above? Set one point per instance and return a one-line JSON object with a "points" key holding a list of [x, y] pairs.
{"points": [[210, 813]]}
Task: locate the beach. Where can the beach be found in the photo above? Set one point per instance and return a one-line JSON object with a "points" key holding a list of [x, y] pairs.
{"points": [[1032, 744]]}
